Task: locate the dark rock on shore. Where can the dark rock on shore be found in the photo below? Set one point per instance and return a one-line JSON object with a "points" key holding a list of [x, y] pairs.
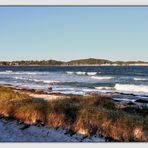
{"points": [[141, 101]]}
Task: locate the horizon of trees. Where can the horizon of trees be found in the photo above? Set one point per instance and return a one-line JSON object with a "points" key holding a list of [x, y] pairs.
{"points": [[89, 61]]}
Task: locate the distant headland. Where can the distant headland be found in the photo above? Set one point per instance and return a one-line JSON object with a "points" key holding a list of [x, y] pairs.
{"points": [[79, 62]]}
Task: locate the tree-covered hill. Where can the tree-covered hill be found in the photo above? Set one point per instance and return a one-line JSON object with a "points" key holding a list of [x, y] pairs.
{"points": [[89, 61]]}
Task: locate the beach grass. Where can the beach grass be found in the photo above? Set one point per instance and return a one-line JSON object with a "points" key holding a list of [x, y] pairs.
{"points": [[7, 94], [87, 115]]}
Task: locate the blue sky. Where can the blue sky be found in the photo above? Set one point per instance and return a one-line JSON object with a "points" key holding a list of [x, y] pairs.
{"points": [[66, 33]]}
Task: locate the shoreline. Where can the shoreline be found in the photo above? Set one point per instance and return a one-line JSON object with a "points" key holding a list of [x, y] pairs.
{"points": [[64, 135], [49, 95], [66, 111]]}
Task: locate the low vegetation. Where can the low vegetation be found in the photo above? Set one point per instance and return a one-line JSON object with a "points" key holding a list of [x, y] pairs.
{"points": [[83, 114], [7, 94]]}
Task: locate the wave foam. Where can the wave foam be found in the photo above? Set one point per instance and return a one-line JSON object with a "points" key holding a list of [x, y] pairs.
{"points": [[104, 88], [132, 88], [9, 71], [22, 72], [91, 73], [50, 81], [101, 78], [69, 72], [80, 73], [141, 79], [77, 72], [35, 80]]}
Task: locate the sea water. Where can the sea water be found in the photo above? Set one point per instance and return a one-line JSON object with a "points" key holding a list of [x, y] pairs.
{"points": [[125, 80]]}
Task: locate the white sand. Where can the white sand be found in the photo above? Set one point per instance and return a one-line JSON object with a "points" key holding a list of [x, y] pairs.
{"points": [[11, 131], [47, 97]]}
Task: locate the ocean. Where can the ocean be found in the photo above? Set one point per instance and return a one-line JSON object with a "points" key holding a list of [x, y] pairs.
{"points": [[127, 82]]}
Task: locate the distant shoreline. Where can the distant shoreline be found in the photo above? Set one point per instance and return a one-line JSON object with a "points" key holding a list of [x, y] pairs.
{"points": [[79, 62], [71, 65]]}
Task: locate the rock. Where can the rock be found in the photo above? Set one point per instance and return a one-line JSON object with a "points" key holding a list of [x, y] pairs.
{"points": [[131, 103], [141, 101], [116, 100], [25, 127], [124, 104]]}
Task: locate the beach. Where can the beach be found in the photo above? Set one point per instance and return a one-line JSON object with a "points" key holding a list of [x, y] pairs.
{"points": [[99, 105], [93, 118], [16, 131]]}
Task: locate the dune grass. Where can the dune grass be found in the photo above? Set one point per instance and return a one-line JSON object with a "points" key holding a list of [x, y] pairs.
{"points": [[10, 99], [7, 94], [84, 114]]}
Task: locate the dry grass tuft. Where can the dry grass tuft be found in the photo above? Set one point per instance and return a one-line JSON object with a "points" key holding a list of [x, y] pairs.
{"points": [[31, 113], [7, 94]]}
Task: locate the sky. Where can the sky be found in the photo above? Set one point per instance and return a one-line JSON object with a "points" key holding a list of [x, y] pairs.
{"points": [[67, 33]]}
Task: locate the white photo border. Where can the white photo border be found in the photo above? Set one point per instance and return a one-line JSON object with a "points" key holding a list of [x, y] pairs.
{"points": [[40, 3], [75, 2]]}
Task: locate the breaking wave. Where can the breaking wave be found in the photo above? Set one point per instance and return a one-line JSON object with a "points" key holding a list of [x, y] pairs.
{"points": [[101, 78], [80, 73], [141, 79], [77, 72], [132, 88], [50, 81], [70, 72], [104, 88], [91, 73], [22, 72], [35, 80]]}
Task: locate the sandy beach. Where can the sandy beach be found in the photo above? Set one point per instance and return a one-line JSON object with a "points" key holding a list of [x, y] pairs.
{"points": [[16, 131], [13, 130], [94, 117]]}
